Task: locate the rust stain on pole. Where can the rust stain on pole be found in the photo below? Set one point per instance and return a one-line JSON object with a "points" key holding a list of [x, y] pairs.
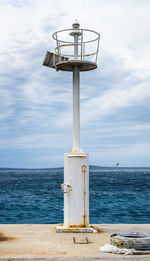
{"points": [[84, 196]]}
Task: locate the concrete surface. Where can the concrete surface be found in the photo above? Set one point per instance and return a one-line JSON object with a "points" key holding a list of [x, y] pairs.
{"points": [[41, 242]]}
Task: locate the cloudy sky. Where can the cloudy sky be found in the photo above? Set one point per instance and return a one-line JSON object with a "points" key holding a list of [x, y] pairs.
{"points": [[36, 102]]}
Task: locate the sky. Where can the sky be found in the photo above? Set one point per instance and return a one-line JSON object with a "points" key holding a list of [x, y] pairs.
{"points": [[36, 101]]}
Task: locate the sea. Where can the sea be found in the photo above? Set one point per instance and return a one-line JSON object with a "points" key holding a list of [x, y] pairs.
{"points": [[117, 195]]}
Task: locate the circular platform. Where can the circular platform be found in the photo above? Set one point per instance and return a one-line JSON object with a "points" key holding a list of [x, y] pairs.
{"points": [[82, 65]]}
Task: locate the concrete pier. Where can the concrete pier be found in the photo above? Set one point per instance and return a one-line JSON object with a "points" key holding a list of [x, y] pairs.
{"points": [[30, 242]]}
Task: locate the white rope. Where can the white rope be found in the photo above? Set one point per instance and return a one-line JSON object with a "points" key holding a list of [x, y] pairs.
{"points": [[107, 248]]}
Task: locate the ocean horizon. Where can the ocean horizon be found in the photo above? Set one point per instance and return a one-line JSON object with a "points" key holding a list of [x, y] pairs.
{"points": [[90, 167], [117, 195]]}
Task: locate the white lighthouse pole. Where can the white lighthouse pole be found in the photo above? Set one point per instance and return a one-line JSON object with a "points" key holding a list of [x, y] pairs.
{"points": [[76, 110], [76, 96], [76, 162]]}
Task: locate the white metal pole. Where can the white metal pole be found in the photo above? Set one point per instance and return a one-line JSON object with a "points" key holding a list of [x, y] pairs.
{"points": [[76, 46], [76, 110], [76, 99]]}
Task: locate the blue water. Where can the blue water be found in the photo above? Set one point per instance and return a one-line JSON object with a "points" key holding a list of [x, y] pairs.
{"points": [[117, 195]]}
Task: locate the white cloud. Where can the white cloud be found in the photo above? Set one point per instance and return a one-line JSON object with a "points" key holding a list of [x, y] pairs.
{"points": [[34, 98], [118, 130], [34, 141], [113, 100]]}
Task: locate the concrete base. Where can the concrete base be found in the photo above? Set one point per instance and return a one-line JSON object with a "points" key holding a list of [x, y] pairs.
{"points": [[41, 242], [63, 229]]}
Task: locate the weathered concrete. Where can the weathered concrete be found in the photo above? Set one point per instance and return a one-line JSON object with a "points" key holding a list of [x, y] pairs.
{"points": [[41, 242]]}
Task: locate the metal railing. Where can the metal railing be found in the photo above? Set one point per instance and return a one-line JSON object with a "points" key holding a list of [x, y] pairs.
{"points": [[88, 44]]}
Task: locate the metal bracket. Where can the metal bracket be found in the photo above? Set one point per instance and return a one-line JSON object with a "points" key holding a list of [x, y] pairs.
{"points": [[83, 168], [82, 241], [66, 188]]}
